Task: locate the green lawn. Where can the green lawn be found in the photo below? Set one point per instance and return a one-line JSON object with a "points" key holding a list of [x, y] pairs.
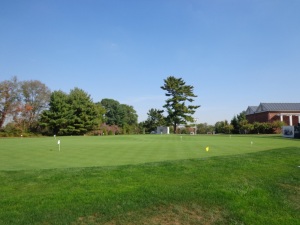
{"points": [[150, 179], [43, 153]]}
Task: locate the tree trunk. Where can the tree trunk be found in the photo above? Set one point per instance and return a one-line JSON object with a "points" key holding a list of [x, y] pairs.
{"points": [[3, 115]]}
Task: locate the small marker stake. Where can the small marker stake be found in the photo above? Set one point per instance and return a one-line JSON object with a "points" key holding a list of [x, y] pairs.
{"points": [[58, 142]]}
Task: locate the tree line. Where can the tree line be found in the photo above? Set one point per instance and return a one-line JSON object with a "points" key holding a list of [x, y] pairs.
{"points": [[28, 107], [240, 125], [22, 102]]}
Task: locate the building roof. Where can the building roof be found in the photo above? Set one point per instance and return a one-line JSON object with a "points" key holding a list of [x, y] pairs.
{"points": [[271, 107], [251, 110]]}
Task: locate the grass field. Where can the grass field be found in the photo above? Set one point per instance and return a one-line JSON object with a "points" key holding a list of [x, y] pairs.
{"points": [[150, 179], [43, 153]]}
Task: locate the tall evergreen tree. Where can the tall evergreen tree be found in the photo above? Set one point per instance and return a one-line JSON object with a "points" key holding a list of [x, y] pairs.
{"points": [[234, 122], [237, 121], [155, 119], [57, 116], [72, 114], [84, 112], [180, 94]]}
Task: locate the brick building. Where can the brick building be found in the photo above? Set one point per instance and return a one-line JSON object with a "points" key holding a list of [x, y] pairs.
{"points": [[289, 113]]}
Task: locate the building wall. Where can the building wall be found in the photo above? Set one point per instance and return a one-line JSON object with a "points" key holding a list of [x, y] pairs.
{"points": [[257, 117], [271, 116]]}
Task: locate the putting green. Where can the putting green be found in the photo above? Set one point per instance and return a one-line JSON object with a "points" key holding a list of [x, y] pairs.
{"points": [[85, 151]]}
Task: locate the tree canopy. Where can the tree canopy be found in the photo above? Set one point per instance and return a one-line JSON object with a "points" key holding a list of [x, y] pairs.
{"points": [[23, 102], [155, 119], [35, 98], [30, 107], [176, 105], [71, 114], [118, 114], [9, 97]]}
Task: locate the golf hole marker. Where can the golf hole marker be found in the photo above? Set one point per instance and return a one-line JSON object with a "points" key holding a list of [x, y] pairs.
{"points": [[58, 142]]}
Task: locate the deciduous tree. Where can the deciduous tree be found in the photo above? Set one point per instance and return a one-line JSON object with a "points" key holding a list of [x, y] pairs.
{"points": [[130, 115], [114, 112], [9, 98], [35, 98]]}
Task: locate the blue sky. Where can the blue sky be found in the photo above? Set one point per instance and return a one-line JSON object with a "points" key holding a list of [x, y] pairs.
{"points": [[235, 53]]}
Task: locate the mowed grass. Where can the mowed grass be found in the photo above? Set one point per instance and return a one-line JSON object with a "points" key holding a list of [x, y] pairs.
{"points": [[150, 179], [84, 151]]}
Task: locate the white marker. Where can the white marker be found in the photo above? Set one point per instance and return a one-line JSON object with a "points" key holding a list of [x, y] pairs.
{"points": [[58, 142]]}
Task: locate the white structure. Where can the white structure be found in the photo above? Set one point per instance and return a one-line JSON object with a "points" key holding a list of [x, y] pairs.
{"points": [[290, 115], [163, 130]]}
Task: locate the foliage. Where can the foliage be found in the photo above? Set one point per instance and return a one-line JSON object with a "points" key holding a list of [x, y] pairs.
{"points": [[11, 130], [237, 121], [204, 128], [120, 115], [154, 120], [130, 116], [182, 130], [180, 94], [223, 127], [273, 127], [35, 98], [114, 113], [262, 128], [84, 113], [55, 119], [277, 126], [245, 127], [71, 114], [9, 98], [22, 103], [234, 122], [240, 125], [33, 108]]}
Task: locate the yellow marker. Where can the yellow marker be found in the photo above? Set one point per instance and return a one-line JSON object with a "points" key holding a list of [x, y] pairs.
{"points": [[207, 148]]}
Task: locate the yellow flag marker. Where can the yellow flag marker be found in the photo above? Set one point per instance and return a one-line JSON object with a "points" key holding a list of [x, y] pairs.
{"points": [[207, 148]]}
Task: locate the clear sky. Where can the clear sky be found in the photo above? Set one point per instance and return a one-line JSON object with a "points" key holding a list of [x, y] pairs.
{"points": [[235, 53]]}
